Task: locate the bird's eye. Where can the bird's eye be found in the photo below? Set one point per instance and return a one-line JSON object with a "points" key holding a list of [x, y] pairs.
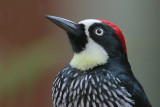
{"points": [[99, 31]]}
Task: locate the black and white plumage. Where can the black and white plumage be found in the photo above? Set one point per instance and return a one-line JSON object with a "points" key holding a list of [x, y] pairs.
{"points": [[99, 75]]}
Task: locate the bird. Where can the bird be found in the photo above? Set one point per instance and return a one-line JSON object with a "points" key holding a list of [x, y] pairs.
{"points": [[99, 74]]}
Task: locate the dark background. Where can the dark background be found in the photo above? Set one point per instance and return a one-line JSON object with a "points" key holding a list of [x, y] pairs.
{"points": [[33, 50]]}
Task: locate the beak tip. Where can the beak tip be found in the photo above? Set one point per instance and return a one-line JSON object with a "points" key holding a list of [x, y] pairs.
{"points": [[48, 16]]}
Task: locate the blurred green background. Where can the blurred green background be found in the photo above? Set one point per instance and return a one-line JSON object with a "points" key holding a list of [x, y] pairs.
{"points": [[33, 50]]}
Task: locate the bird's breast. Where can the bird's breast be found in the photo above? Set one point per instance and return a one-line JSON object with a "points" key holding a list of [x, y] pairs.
{"points": [[73, 88]]}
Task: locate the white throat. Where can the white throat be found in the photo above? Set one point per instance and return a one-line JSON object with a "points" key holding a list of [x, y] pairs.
{"points": [[92, 56]]}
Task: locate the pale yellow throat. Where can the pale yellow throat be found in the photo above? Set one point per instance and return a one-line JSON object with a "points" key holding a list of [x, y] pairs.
{"points": [[93, 55]]}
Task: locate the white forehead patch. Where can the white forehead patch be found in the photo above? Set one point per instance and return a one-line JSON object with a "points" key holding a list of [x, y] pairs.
{"points": [[87, 23]]}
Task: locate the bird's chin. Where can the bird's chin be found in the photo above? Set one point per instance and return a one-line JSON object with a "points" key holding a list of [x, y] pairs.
{"points": [[78, 43], [92, 56]]}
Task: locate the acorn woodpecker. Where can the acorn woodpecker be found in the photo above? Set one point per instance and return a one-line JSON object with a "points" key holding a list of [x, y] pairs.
{"points": [[99, 75]]}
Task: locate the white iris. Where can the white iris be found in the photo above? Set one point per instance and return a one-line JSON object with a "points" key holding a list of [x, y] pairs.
{"points": [[99, 31]]}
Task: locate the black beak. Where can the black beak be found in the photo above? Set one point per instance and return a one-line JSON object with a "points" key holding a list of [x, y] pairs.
{"points": [[65, 24]]}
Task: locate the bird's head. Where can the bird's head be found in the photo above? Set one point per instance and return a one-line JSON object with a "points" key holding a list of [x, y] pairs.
{"points": [[94, 41]]}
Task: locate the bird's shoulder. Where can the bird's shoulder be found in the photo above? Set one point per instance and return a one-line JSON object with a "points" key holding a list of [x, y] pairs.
{"points": [[132, 85]]}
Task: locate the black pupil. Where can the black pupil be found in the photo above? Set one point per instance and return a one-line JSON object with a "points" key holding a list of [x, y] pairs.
{"points": [[99, 31]]}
